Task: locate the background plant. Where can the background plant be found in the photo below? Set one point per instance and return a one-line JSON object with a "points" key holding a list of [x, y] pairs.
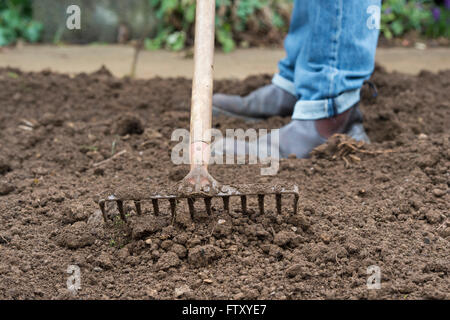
{"points": [[426, 17], [235, 21], [239, 22], [16, 22]]}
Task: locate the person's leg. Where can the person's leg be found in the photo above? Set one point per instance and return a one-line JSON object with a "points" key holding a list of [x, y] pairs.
{"points": [[278, 98], [331, 67], [336, 56], [293, 43]]}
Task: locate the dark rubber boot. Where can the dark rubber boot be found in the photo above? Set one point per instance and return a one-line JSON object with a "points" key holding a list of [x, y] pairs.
{"points": [[262, 103]]}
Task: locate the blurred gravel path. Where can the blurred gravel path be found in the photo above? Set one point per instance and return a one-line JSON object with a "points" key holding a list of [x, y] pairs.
{"points": [[239, 64]]}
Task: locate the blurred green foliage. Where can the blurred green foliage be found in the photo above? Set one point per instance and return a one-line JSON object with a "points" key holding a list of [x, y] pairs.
{"points": [[429, 18], [238, 20], [399, 17], [16, 22], [233, 17]]}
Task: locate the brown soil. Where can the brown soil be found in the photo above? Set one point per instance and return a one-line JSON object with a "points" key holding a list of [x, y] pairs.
{"points": [[384, 204]]}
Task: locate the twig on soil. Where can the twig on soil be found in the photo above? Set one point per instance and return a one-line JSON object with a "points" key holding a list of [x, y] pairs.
{"points": [[354, 158], [137, 50], [98, 164], [442, 224], [347, 164], [346, 149], [212, 231], [358, 148], [26, 128], [337, 260], [4, 240], [27, 123], [139, 46], [273, 231]]}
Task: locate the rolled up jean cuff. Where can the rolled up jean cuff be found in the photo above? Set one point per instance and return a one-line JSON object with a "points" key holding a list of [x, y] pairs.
{"points": [[326, 108], [284, 84]]}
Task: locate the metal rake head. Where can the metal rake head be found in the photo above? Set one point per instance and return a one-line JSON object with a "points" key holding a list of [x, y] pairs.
{"points": [[226, 192]]}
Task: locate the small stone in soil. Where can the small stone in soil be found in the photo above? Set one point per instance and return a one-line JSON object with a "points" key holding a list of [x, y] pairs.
{"points": [[166, 244], [4, 166], [168, 260], [104, 261], [6, 188], [283, 238], [96, 219], [151, 293], [99, 171], [182, 291], [325, 237], [433, 217], [299, 220], [145, 226], [180, 250], [204, 255], [76, 236], [238, 296], [294, 270], [123, 253], [275, 251], [439, 192], [444, 233]]}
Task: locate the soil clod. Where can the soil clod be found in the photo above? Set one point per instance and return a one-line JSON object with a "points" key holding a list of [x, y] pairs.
{"points": [[204, 255]]}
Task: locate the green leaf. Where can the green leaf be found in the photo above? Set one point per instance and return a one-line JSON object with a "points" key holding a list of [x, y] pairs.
{"points": [[176, 40], [7, 36], [387, 33], [152, 44], [32, 32], [397, 28], [189, 14], [168, 6], [277, 21], [226, 40], [13, 75], [12, 19]]}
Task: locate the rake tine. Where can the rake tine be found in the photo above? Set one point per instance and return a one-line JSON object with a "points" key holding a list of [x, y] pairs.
{"points": [[155, 207], [208, 205], [103, 209], [261, 203], [173, 208], [296, 203], [138, 207], [278, 198], [191, 207], [226, 204], [244, 204], [121, 211]]}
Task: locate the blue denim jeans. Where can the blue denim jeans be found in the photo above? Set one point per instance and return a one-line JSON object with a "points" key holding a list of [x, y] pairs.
{"points": [[330, 52]]}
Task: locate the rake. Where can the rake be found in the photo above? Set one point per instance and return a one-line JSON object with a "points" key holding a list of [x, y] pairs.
{"points": [[199, 184]]}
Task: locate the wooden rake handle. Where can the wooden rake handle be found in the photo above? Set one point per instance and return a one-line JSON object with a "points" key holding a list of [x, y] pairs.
{"points": [[202, 84]]}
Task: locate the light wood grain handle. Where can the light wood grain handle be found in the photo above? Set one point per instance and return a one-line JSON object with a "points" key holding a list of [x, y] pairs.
{"points": [[202, 84]]}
